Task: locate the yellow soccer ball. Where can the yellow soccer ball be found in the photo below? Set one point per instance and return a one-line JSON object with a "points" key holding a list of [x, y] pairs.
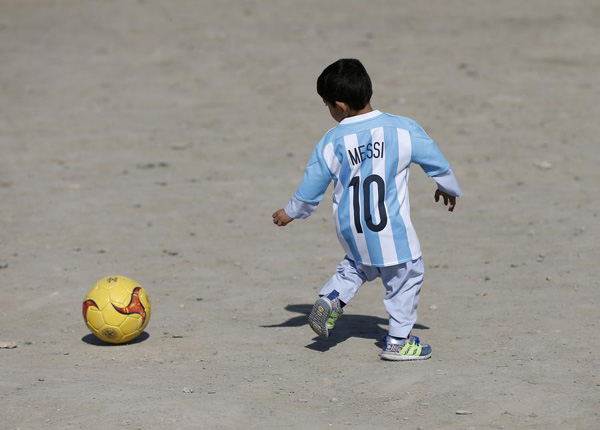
{"points": [[116, 309]]}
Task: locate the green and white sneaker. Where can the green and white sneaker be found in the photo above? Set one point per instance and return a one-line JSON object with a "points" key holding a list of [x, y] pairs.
{"points": [[324, 314], [405, 349]]}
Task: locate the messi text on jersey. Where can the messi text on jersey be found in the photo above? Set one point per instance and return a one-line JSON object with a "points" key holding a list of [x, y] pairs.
{"points": [[362, 152]]}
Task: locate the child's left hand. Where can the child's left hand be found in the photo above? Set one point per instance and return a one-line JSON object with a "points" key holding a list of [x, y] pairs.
{"points": [[281, 218], [447, 198]]}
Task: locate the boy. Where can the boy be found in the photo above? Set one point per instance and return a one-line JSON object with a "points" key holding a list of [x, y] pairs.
{"points": [[368, 156]]}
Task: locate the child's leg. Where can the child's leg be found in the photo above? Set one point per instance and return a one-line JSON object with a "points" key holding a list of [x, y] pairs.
{"points": [[403, 284], [340, 289], [348, 279]]}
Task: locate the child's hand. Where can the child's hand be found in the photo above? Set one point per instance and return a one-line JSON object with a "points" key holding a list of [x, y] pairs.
{"points": [[447, 198], [281, 218]]}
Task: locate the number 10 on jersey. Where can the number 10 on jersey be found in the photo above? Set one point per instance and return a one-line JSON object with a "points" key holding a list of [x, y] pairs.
{"points": [[366, 212]]}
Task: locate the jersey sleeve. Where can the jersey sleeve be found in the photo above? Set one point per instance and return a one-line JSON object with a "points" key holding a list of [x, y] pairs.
{"points": [[316, 179], [299, 210], [447, 183], [425, 152]]}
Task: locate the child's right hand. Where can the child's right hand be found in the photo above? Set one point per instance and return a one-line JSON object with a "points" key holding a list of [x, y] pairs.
{"points": [[281, 218], [447, 198]]}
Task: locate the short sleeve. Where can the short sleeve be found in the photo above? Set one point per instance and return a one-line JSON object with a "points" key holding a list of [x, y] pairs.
{"points": [[425, 152], [316, 179]]}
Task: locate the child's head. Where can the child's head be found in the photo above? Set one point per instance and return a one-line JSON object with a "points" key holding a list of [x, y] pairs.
{"points": [[345, 81]]}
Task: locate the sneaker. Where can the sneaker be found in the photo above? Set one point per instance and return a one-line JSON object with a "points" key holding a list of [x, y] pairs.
{"points": [[405, 349], [324, 314]]}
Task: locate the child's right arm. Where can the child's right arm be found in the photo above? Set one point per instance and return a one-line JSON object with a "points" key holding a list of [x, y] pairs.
{"points": [[448, 188], [426, 154]]}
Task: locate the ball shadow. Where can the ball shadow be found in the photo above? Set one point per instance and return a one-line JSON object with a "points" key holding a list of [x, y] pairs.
{"points": [[93, 340]]}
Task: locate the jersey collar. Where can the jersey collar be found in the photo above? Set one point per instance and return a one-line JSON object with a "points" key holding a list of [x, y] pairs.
{"points": [[358, 118]]}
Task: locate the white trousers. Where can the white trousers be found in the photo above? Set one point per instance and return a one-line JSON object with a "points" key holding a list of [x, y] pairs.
{"points": [[402, 283]]}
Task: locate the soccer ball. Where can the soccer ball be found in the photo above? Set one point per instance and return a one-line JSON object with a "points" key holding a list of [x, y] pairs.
{"points": [[116, 309]]}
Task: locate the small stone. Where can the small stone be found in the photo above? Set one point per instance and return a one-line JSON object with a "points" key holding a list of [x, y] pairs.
{"points": [[188, 390], [334, 400], [8, 345], [543, 165], [463, 412], [41, 379], [532, 415], [212, 391], [433, 307], [487, 278]]}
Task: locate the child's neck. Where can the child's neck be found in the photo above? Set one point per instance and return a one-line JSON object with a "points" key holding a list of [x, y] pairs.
{"points": [[364, 110]]}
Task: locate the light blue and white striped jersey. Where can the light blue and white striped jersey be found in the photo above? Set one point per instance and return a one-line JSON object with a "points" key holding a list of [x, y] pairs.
{"points": [[368, 157]]}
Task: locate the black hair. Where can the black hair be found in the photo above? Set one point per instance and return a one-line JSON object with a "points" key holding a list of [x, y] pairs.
{"points": [[345, 81]]}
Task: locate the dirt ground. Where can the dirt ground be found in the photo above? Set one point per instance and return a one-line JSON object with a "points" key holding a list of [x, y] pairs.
{"points": [[154, 140]]}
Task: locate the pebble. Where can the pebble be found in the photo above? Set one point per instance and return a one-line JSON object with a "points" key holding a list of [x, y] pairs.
{"points": [[543, 165], [334, 400], [463, 412], [433, 307], [8, 345], [188, 390]]}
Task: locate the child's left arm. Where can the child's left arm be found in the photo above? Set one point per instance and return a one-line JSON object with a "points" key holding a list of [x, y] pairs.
{"points": [[281, 218], [317, 177]]}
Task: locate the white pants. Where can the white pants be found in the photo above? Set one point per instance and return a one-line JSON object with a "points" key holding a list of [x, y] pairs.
{"points": [[402, 283]]}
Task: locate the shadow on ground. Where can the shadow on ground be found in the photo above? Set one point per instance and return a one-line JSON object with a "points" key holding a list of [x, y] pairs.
{"points": [[93, 340], [349, 325]]}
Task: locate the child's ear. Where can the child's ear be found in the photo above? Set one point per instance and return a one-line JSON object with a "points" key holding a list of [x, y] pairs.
{"points": [[343, 106]]}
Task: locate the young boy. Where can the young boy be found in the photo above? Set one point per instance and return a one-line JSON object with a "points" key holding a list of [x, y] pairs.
{"points": [[368, 156]]}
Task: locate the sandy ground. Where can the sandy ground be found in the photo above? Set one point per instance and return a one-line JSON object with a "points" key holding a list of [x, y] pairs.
{"points": [[155, 139]]}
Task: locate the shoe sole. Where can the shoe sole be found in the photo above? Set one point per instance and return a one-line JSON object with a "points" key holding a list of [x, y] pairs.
{"points": [[317, 319], [397, 357]]}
